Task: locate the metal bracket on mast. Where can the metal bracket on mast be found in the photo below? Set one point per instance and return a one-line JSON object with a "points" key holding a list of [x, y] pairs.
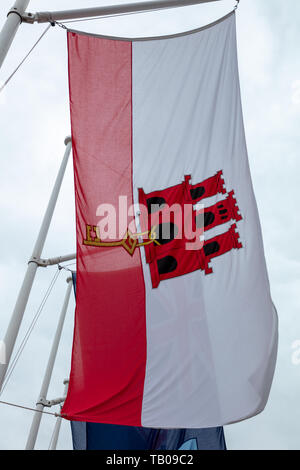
{"points": [[56, 401], [43, 263], [48, 403], [16, 11]]}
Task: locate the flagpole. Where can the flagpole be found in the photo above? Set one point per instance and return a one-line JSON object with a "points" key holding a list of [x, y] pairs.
{"points": [[46, 16], [42, 398], [13, 21], [57, 426], [17, 316]]}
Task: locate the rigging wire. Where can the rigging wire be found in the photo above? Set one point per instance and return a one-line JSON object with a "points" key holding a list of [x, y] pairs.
{"points": [[70, 264], [29, 330], [29, 409], [23, 60], [65, 267]]}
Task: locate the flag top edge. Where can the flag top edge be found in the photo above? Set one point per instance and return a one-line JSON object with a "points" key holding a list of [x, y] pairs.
{"points": [[153, 38]]}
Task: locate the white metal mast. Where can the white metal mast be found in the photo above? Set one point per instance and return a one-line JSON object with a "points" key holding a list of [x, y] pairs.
{"points": [[42, 399], [14, 19], [34, 262]]}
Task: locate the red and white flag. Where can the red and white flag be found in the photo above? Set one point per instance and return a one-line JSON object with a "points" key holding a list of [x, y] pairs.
{"points": [[174, 326]]}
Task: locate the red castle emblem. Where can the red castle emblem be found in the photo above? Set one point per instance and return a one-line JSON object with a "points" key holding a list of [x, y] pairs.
{"points": [[169, 257]]}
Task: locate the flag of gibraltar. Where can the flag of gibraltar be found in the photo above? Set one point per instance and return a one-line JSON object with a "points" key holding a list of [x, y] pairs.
{"points": [[174, 323]]}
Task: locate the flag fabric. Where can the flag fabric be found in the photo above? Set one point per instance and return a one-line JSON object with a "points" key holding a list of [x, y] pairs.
{"points": [[100, 436], [94, 436], [174, 328]]}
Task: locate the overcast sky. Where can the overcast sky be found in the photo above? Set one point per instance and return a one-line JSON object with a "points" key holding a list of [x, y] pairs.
{"points": [[34, 121]]}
